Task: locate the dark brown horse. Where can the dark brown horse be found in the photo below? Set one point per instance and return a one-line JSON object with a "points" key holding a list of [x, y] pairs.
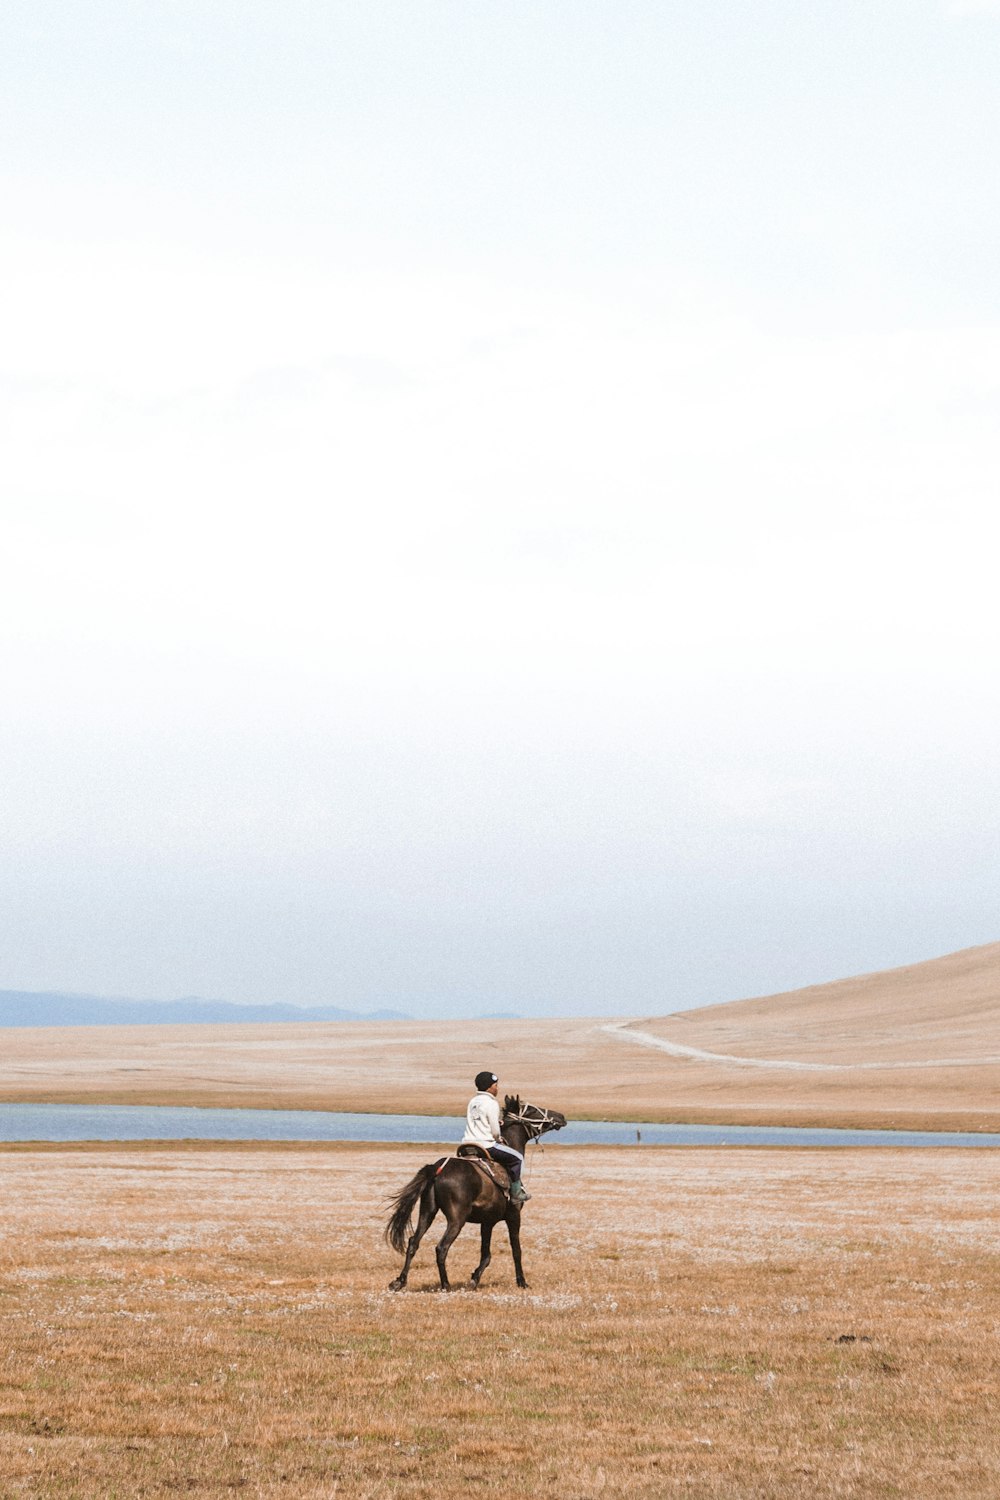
{"points": [[466, 1194]]}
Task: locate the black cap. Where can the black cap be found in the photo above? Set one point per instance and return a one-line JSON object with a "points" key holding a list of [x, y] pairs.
{"points": [[485, 1081]]}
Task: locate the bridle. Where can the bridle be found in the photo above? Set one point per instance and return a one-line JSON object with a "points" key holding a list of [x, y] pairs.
{"points": [[535, 1119]]}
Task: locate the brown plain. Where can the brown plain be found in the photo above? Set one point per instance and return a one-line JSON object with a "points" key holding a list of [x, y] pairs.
{"points": [[915, 1047], [718, 1324], [722, 1325]]}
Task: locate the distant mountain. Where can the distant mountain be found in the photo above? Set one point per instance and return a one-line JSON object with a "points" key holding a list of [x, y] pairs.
{"points": [[28, 1008]]}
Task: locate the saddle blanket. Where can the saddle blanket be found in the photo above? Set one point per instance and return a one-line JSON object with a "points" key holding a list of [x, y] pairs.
{"points": [[478, 1157]]}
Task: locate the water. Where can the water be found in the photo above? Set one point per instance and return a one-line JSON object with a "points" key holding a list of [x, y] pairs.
{"points": [[134, 1122]]}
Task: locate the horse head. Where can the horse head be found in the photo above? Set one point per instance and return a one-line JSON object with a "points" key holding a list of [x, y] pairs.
{"points": [[534, 1119]]}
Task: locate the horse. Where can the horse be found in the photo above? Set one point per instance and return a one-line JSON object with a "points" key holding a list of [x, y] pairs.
{"points": [[466, 1194]]}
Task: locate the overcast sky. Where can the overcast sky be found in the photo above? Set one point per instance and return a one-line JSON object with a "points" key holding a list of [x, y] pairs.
{"points": [[498, 497]]}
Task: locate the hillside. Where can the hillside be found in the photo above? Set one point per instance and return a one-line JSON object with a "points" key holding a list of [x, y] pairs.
{"points": [[909, 1048], [943, 1008]]}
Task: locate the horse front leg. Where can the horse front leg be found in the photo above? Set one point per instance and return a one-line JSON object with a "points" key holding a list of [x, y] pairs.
{"points": [[428, 1208], [486, 1234], [513, 1219]]}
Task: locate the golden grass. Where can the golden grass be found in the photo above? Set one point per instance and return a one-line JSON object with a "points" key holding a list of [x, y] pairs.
{"points": [[216, 1322], [930, 1030]]}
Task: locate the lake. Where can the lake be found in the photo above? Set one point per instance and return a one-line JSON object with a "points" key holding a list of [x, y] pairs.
{"points": [[129, 1122]]}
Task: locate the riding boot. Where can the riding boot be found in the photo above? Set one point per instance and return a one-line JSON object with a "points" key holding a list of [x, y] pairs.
{"points": [[518, 1192]]}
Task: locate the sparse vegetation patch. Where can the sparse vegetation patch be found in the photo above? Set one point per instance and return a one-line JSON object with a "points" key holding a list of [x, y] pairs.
{"points": [[710, 1324]]}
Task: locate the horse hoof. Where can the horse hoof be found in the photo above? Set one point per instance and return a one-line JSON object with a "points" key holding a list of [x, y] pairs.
{"points": [[396, 1286], [523, 1285]]}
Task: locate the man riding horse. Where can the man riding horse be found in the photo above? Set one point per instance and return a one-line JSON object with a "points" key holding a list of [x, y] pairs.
{"points": [[482, 1128], [472, 1191]]}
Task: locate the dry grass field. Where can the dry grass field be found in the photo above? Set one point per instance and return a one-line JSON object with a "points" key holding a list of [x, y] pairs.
{"points": [[909, 1048], [215, 1321]]}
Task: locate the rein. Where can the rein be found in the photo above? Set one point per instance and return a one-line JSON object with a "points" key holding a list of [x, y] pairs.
{"points": [[535, 1122]]}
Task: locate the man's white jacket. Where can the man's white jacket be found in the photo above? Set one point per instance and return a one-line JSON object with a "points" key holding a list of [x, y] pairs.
{"points": [[482, 1120]]}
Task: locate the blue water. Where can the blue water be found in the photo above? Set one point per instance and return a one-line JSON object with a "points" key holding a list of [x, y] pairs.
{"points": [[132, 1122]]}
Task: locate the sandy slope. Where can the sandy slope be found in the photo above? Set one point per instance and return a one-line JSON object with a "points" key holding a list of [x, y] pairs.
{"points": [[913, 1046], [945, 1009]]}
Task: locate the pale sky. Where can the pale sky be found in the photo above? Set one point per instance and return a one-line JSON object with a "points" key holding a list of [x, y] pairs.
{"points": [[498, 498]]}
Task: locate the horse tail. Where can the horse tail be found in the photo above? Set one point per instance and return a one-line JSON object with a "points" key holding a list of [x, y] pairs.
{"points": [[398, 1228]]}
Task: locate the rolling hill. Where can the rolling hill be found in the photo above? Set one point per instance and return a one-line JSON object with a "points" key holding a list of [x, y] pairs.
{"points": [[914, 1047]]}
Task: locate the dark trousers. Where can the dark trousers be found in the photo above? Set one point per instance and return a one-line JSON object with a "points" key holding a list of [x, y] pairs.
{"points": [[509, 1158]]}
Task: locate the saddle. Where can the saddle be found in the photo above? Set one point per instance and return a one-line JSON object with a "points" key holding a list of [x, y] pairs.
{"points": [[480, 1157]]}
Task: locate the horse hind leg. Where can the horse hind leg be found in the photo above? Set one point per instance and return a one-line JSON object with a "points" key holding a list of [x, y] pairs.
{"points": [[486, 1234], [428, 1208], [443, 1246]]}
